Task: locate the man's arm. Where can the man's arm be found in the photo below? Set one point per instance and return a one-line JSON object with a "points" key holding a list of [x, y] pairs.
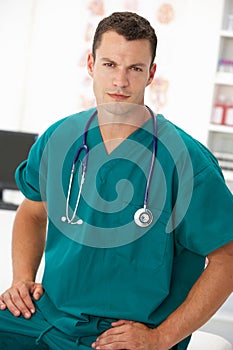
{"points": [[28, 242], [204, 299]]}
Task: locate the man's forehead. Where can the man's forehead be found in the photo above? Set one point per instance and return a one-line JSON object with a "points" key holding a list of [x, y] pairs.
{"points": [[113, 43]]}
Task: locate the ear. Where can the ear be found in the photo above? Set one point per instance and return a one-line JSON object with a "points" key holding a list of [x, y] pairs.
{"points": [[152, 73], [90, 64]]}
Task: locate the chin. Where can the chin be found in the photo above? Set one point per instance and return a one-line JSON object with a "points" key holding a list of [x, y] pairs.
{"points": [[119, 107]]}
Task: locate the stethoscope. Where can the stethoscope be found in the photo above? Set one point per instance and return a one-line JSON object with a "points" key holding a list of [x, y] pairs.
{"points": [[143, 217]]}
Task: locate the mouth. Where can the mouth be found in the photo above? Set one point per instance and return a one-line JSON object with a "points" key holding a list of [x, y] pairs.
{"points": [[118, 96]]}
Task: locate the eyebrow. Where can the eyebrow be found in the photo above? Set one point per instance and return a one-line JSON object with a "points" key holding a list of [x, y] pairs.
{"points": [[131, 65]]}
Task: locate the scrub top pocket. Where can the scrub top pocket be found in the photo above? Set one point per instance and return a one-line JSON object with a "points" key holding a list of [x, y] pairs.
{"points": [[152, 245]]}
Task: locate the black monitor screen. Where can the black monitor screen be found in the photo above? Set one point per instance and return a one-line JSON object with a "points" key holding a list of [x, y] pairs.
{"points": [[14, 148]]}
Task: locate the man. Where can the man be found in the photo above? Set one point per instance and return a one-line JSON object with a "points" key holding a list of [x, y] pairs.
{"points": [[111, 282]]}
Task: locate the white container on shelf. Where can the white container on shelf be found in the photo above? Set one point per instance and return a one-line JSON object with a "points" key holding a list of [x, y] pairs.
{"points": [[229, 114], [219, 110], [230, 23]]}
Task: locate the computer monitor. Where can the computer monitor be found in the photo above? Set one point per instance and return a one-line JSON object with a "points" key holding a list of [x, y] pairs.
{"points": [[14, 148]]}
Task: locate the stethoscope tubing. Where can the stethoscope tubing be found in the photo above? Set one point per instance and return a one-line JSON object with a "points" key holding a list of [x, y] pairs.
{"points": [[84, 148], [148, 182]]}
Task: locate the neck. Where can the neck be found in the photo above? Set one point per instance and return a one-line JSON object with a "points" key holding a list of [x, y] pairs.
{"points": [[116, 127]]}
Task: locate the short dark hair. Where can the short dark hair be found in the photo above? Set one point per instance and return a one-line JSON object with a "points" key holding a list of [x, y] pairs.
{"points": [[130, 25]]}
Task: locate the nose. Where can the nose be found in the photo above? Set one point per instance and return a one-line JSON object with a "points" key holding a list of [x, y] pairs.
{"points": [[120, 78]]}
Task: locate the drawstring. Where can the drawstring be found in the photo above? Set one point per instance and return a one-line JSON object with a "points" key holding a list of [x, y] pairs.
{"points": [[43, 333]]}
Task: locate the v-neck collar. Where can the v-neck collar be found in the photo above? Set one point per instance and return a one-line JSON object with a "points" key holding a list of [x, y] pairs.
{"points": [[143, 135]]}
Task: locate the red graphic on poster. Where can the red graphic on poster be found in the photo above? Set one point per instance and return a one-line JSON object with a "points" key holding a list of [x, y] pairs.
{"points": [[96, 7], [89, 32], [158, 91], [131, 5], [165, 13]]}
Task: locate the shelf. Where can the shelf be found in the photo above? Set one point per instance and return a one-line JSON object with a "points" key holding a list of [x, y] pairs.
{"points": [[224, 156], [226, 34], [223, 78], [221, 128]]}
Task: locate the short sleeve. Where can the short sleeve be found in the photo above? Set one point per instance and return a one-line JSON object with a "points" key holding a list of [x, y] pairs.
{"points": [[207, 223], [30, 175]]}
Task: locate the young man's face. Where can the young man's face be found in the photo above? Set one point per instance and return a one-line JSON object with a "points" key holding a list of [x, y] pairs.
{"points": [[121, 70]]}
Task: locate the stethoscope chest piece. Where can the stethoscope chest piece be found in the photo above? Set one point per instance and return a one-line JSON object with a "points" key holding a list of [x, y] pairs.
{"points": [[143, 217]]}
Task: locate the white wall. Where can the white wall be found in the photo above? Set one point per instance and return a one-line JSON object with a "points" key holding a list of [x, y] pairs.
{"points": [[15, 37], [43, 46], [190, 64]]}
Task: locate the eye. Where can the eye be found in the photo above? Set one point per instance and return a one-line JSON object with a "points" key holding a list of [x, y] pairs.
{"points": [[136, 69], [108, 64]]}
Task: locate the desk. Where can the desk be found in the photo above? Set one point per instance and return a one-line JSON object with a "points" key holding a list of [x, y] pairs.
{"points": [[222, 322], [6, 224]]}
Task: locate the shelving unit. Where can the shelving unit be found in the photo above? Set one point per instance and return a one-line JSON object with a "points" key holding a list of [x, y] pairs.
{"points": [[221, 129], [222, 78], [220, 136]]}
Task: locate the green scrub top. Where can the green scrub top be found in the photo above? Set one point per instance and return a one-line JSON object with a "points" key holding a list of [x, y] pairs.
{"points": [[108, 267]]}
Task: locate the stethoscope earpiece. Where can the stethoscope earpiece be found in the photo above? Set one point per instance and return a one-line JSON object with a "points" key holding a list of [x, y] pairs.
{"points": [[78, 222]]}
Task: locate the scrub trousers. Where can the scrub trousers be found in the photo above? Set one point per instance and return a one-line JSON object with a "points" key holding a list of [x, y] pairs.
{"points": [[18, 333]]}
